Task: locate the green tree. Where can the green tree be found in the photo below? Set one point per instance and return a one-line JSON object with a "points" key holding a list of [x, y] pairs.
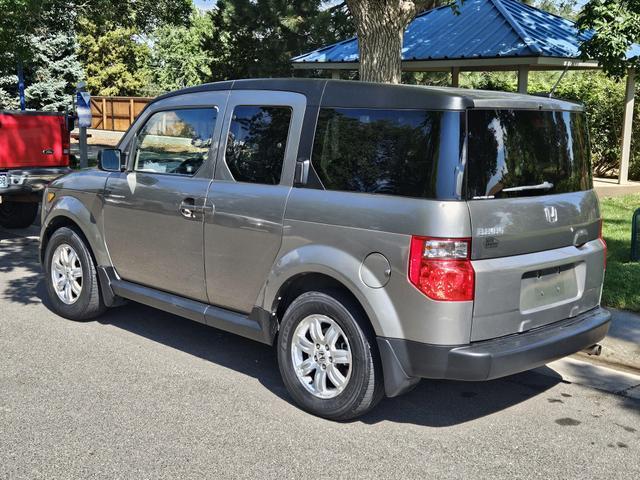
{"points": [[20, 19], [116, 60], [54, 72], [23, 20], [617, 27], [563, 8], [257, 38], [178, 58]]}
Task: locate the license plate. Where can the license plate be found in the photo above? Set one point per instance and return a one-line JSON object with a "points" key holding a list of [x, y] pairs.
{"points": [[548, 287], [4, 180]]}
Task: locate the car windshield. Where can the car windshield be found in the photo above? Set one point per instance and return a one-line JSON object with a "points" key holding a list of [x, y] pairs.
{"points": [[514, 153]]}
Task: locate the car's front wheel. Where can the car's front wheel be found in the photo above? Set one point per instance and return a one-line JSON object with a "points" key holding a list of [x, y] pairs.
{"points": [[328, 357], [71, 277]]}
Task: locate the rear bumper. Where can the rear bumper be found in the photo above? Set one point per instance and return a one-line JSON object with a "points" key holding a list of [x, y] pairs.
{"points": [[30, 180], [405, 361]]}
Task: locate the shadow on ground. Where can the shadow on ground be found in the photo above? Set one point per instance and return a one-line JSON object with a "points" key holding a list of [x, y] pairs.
{"points": [[432, 403], [19, 259]]}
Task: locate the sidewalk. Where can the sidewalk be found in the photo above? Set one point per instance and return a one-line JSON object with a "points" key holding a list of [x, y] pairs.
{"points": [[621, 347], [607, 187], [100, 137]]}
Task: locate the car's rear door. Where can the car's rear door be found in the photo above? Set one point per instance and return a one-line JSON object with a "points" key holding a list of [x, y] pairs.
{"points": [[535, 220], [153, 213], [253, 178]]}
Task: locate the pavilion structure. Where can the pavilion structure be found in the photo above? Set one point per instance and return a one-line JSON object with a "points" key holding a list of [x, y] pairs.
{"points": [[486, 35]]}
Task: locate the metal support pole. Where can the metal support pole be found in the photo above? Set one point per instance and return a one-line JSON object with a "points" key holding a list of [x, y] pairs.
{"points": [[83, 113], [23, 104], [627, 124], [455, 76], [523, 79], [84, 158]]}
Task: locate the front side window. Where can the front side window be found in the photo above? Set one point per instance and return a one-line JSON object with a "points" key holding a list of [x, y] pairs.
{"points": [[515, 153], [175, 141], [411, 153], [257, 143]]}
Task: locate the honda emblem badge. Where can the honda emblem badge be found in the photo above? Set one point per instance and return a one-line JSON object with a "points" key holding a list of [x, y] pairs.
{"points": [[551, 213]]}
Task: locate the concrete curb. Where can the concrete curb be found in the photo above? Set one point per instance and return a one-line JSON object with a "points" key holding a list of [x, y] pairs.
{"points": [[593, 376], [621, 347]]}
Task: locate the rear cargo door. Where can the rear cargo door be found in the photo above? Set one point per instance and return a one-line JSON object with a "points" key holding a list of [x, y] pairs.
{"points": [[535, 220], [31, 140]]}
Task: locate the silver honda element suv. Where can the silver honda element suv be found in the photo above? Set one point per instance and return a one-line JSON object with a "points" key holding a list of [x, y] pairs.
{"points": [[373, 234]]}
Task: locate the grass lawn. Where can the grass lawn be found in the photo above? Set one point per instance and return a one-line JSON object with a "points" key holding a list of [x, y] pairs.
{"points": [[622, 281]]}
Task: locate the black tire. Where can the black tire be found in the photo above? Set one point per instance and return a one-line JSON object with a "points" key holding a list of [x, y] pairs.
{"points": [[364, 388], [18, 214], [89, 302]]}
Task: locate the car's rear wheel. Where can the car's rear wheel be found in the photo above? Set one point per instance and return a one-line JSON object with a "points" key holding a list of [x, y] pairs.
{"points": [[17, 214], [328, 357], [71, 277]]}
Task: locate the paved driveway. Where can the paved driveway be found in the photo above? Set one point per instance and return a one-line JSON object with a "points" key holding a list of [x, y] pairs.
{"points": [[144, 394]]}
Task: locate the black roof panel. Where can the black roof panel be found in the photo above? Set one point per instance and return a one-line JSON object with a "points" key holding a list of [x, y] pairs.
{"points": [[354, 94]]}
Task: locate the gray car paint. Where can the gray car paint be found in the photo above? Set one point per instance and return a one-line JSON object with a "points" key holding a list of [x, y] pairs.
{"points": [[79, 200], [151, 243], [316, 232], [243, 234]]}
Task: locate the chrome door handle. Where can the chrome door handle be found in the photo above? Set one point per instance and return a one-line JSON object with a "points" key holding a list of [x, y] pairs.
{"points": [[189, 209]]}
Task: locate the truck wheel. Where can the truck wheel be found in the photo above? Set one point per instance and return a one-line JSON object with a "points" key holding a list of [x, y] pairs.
{"points": [[328, 357], [17, 214], [71, 278]]}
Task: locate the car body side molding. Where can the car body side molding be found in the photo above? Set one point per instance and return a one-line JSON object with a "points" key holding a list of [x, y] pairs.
{"points": [[259, 325]]}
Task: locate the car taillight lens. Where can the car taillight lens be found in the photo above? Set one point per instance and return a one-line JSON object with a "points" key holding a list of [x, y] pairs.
{"points": [[604, 244], [66, 138], [441, 268]]}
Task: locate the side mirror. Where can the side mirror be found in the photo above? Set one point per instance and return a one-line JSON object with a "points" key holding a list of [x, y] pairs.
{"points": [[111, 160]]}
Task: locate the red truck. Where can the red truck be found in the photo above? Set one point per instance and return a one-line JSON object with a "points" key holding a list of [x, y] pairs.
{"points": [[34, 149]]}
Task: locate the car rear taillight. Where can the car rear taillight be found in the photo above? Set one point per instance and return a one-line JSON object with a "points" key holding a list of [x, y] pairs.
{"points": [[65, 139], [441, 268], [604, 244]]}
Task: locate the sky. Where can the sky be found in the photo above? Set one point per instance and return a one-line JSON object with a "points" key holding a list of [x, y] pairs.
{"points": [[205, 4]]}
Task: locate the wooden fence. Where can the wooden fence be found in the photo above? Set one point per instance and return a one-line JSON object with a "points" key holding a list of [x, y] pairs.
{"points": [[116, 113]]}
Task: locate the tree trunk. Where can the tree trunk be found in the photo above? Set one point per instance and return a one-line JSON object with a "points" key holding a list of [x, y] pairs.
{"points": [[380, 25]]}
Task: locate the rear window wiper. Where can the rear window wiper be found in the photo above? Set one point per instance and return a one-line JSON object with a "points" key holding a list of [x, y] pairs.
{"points": [[520, 188], [541, 186]]}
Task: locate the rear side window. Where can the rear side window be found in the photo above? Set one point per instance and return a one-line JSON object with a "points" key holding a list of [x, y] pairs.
{"points": [[410, 153], [514, 153], [175, 141], [257, 143]]}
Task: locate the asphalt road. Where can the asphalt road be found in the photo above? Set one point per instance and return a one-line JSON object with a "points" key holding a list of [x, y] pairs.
{"points": [[143, 394]]}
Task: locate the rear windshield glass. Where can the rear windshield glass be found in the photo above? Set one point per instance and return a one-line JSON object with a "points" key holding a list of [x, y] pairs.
{"points": [[524, 153], [411, 153]]}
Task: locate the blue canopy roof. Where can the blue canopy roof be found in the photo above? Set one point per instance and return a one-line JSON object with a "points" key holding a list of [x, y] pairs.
{"points": [[483, 29]]}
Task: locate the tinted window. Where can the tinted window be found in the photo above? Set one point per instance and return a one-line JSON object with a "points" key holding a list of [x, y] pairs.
{"points": [[257, 143], [410, 153], [175, 141], [510, 149]]}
